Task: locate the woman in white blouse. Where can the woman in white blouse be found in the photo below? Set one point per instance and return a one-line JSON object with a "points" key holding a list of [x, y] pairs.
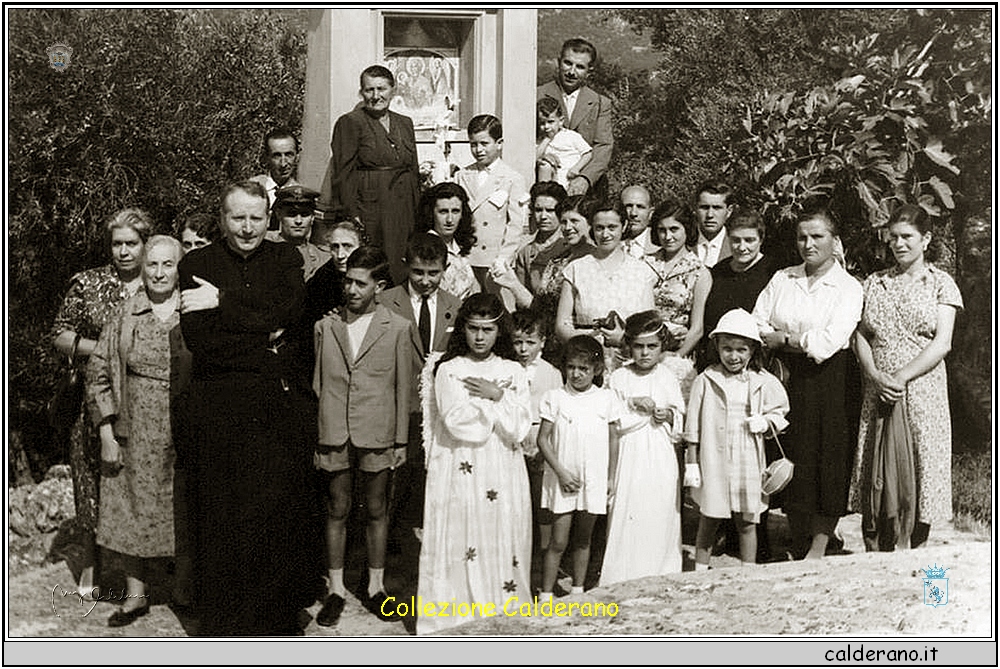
{"points": [[608, 279], [807, 314]]}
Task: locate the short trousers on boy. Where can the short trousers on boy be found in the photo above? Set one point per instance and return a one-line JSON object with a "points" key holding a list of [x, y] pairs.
{"points": [[349, 456]]}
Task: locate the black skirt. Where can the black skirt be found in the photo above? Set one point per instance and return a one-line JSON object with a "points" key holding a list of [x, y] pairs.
{"points": [[819, 440]]}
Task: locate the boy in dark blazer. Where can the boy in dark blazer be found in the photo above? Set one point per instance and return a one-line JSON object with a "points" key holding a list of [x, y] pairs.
{"points": [[362, 378], [426, 260]]}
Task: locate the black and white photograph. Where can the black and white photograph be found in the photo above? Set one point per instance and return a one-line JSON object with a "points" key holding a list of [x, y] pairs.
{"points": [[461, 326]]}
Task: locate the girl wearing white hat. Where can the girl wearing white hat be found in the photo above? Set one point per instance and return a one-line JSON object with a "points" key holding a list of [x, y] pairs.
{"points": [[733, 404]]}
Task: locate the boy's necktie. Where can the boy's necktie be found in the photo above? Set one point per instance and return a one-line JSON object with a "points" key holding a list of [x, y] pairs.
{"points": [[424, 324]]}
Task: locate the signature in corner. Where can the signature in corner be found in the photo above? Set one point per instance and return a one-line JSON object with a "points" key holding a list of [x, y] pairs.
{"points": [[91, 597]]}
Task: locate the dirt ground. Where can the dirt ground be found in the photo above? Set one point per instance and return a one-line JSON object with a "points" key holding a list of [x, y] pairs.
{"points": [[852, 594]]}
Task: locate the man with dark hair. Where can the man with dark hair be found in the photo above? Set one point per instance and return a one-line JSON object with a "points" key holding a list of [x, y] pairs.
{"points": [[712, 208], [585, 111], [362, 379], [281, 158]]}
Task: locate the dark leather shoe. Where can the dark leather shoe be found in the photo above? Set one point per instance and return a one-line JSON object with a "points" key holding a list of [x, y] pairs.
{"points": [[330, 613], [121, 617], [376, 603]]}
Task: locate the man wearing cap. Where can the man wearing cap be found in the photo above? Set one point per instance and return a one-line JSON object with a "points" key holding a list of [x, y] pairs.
{"points": [[294, 208], [281, 157]]}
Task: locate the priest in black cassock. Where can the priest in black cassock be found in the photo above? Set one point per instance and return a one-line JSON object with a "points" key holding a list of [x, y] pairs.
{"points": [[249, 428]]}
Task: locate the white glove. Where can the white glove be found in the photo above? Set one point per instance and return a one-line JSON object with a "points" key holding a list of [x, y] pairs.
{"points": [[757, 424], [692, 475]]}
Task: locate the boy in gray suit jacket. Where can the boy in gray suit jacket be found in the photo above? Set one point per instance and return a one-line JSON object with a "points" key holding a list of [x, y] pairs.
{"points": [[362, 378]]}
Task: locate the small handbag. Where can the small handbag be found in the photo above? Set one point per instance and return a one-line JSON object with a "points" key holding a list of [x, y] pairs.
{"points": [[778, 474], [64, 407]]}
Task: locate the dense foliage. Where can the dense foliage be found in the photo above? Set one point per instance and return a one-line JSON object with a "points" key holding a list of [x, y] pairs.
{"points": [[158, 108]]}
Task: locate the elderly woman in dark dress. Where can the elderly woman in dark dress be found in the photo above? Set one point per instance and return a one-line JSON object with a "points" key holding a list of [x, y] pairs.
{"points": [[251, 428], [807, 315], [128, 391], [92, 298], [373, 171]]}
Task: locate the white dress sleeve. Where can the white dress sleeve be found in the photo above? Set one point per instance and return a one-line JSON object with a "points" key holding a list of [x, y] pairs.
{"points": [[474, 419], [629, 419]]}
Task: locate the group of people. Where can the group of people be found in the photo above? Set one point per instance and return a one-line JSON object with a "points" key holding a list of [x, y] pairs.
{"points": [[501, 366]]}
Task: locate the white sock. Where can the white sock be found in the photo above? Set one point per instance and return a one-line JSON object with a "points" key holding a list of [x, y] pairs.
{"points": [[698, 566], [576, 590], [336, 577], [544, 596], [375, 581]]}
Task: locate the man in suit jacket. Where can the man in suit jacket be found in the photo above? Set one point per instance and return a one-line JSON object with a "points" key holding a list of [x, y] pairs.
{"points": [[362, 379], [588, 112], [426, 259], [712, 209]]}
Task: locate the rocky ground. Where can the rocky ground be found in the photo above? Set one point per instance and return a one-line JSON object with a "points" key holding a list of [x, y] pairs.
{"points": [[852, 594]]}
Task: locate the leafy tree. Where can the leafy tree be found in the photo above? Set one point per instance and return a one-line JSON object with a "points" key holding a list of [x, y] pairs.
{"points": [[882, 134], [674, 123]]}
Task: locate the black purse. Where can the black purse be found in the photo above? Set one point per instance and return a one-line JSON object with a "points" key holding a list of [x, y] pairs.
{"points": [[64, 407]]}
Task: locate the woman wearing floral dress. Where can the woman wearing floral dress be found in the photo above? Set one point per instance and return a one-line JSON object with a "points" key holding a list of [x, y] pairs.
{"points": [[683, 281], [91, 300], [904, 335]]}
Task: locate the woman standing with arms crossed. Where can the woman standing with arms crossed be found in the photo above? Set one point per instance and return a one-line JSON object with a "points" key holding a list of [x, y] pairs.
{"points": [[92, 298], [905, 333], [373, 173], [807, 314]]}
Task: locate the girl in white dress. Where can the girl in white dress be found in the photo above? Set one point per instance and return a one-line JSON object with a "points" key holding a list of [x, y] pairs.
{"points": [[644, 518], [733, 404], [476, 549], [579, 440]]}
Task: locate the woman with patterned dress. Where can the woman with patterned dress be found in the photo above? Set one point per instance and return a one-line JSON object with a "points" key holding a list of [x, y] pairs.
{"points": [[92, 298], [128, 392], [606, 280], [476, 548], [807, 314], [904, 335], [373, 173], [444, 211], [683, 281]]}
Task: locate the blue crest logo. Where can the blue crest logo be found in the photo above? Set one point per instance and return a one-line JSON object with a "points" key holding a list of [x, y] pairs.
{"points": [[935, 586], [59, 56]]}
